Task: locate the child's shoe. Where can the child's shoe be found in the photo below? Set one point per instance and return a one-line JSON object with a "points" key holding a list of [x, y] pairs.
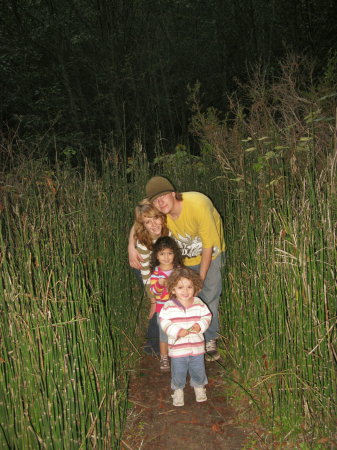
{"points": [[178, 397], [164, 363], [200, 394]]}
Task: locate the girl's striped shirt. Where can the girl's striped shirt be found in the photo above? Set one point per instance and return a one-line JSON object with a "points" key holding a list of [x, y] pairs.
{"points": [[174, 317]]}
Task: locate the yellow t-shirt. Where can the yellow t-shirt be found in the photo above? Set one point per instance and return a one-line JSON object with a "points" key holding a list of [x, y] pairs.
{"points": [[198, 226]]}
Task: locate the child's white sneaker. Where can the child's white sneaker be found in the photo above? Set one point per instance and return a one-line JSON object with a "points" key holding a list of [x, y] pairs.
{"points": [[200, 394], [178, 397]]}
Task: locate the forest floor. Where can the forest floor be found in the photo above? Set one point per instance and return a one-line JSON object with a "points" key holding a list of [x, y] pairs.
{"points": [[154, 423]]}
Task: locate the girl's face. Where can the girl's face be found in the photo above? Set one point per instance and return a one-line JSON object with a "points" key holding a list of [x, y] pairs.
{"points": [[153, 225], [184, 290], [165, 258]]}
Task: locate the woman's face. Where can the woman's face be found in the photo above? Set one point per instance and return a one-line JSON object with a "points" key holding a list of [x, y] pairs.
{"points": [[153, 225]]}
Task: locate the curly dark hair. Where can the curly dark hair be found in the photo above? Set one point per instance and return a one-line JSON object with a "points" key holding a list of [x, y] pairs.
{"points": [[184, 272], [161, 244]]}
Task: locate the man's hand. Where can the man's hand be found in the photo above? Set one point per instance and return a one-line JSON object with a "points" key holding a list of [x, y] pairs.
{"points": [[206, 259], [134, 258]]}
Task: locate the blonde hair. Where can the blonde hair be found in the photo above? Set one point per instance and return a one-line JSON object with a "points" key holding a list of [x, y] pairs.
{"points": [[145, 209], [184, 272]]}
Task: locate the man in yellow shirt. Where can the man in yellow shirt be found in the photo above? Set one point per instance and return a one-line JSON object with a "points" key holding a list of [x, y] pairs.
{"points": [[197, 227]]}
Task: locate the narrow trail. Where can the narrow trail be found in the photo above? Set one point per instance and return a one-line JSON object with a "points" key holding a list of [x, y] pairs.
{"points": [[154, 423]]}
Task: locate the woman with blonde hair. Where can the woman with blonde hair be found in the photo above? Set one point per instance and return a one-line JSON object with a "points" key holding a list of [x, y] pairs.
{"points": [[149, 225]]}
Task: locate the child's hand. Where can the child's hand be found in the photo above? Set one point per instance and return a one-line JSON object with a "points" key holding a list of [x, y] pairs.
{"points": [[152, 310], [162, 281], [183, 333], [195, 328]]}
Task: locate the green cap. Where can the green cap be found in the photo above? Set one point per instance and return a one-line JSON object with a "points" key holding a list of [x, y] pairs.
{"points": [[158, 186]]}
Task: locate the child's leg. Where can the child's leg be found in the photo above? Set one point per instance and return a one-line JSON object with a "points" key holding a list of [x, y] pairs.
{"points": [[198, 377], [163, 348], [152, 336], [179, 369], [197, 371], [164, 359]]}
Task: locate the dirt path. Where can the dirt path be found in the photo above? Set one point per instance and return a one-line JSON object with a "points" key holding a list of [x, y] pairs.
{"points": [[154, 423]]}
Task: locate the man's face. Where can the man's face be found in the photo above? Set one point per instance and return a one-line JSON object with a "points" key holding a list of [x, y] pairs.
{"points": [[165, 202]]}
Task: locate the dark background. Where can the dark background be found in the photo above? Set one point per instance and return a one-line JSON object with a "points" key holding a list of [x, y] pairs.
{"points": [[81, 74]]}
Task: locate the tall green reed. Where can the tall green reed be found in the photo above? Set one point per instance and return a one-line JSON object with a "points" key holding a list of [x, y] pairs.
{"points": [[70, 310], [280, 311], [278, 162]]}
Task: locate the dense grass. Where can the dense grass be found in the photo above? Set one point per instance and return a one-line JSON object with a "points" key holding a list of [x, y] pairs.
{"points": [[277, 194], [72, 315], [279, 313], [69, 312]]}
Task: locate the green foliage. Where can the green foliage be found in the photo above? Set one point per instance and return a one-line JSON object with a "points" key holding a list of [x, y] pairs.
{"points": [[278, 163], [286, 130], [72, 313], [65, 289], [279, 311]]}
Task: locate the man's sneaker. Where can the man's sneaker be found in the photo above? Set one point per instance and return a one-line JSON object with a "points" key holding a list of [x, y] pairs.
{"points": [[212, 353], [178, 397], [200, 394], [164, 363]]}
